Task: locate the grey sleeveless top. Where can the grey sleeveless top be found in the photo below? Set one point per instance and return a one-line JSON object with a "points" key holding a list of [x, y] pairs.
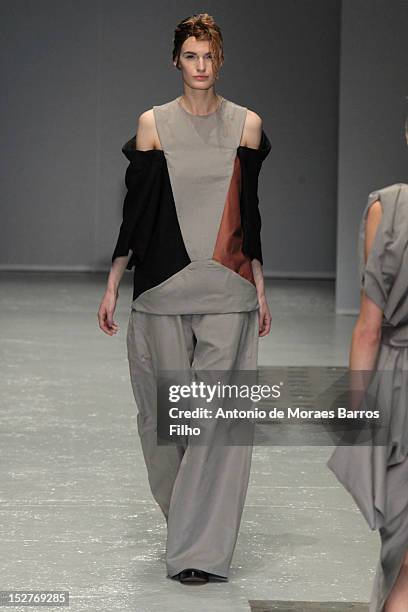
{"points": [[201, 156]]}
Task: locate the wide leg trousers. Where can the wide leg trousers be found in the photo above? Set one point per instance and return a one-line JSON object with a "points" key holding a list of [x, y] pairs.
{"points": [[200, 489]]}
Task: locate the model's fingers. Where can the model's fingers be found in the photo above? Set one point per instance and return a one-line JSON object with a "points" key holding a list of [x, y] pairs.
{"points": [[262, 325], [105, 329], [101, 321], [104, 323]]}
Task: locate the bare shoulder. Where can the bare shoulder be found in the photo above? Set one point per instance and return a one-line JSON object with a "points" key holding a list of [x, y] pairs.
{"points": [[252, 132], [146, 118], [375, 208], [146, 133], [374, 214]]}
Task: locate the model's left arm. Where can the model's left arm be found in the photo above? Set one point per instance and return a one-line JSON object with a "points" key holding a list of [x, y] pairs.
{"points": [[367, 330], [366, 337], [255, 146]]}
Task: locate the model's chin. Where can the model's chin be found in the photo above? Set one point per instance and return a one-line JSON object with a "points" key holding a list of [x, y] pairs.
{"points": [[197, 84]]}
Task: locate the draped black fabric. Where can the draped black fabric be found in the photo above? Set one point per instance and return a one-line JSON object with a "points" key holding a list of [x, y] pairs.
{"points": [[150, 227], [143, 179], [251, 162]]}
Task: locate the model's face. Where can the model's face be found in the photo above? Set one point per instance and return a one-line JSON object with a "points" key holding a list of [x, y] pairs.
{"points": [[196, 63]]}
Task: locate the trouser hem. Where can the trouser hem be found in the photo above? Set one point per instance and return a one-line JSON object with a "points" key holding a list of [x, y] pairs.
{"points": [[212, 575]]}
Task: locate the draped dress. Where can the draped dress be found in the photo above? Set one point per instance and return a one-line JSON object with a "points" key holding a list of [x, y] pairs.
{"points": [[376, 475]]}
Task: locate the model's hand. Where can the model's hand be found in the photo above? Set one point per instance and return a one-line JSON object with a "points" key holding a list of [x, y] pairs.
{"points": [[265, 317], [105, 313]]}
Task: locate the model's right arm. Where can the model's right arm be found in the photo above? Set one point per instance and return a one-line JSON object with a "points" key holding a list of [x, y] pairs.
{"points": [[145, 140]]}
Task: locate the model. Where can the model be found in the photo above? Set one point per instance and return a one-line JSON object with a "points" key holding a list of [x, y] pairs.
{"points": [[191, 224], [376, 474]]}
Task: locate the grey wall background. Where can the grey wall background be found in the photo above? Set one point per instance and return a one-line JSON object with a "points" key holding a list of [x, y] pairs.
{"points": [[372, 149], [76, 75]]}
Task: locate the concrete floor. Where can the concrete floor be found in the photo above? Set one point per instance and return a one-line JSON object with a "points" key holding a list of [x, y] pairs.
{"points": [[76, 512]]}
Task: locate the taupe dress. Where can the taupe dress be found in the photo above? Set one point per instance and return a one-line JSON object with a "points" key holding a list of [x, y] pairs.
{"points": [[376, 475]]}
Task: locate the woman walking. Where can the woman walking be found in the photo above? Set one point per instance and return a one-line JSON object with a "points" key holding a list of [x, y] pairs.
{"points": [[192, 226], [376, 473]]}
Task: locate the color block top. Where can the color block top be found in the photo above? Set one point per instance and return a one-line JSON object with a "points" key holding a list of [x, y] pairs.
{"points": [[191, 213]]}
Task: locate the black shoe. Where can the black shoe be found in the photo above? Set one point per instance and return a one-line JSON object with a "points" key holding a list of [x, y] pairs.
{"points": [[193, 576]]}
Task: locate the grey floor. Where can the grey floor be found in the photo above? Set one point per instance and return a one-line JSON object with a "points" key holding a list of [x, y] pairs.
{"points": [[76, 512]]}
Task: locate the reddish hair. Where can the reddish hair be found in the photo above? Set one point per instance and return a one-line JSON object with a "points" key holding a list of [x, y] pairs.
{"points": [[203, 27]]}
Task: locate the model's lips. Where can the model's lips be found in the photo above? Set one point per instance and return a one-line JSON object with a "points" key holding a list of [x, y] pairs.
{"points": [[201, 77]]}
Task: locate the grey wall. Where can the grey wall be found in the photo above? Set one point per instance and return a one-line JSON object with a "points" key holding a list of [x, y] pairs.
{"points": [[49, 133], [372, 149], [77, 75]]}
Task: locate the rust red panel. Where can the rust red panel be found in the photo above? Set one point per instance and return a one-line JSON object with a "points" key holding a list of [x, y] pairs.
{"points": [[228, 246]]}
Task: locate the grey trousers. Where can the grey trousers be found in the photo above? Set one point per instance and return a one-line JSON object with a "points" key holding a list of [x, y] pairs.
{"points": [[200, 489]]}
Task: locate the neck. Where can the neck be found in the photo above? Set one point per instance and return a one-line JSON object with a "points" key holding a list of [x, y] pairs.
{"points": [[200, 102]]}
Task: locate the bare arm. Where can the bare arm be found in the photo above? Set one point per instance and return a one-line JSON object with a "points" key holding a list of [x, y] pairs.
{"points": [[252, 132], [147, 137], [367, 330], [111, 295], [116, 272], [366, 335], [265, 317]]}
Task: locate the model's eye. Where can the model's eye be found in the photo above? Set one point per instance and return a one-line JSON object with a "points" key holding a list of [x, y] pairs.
{"points": [[193, 56]]}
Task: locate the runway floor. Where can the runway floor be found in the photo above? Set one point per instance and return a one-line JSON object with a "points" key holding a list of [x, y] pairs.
{"points": [[76, 510]]}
